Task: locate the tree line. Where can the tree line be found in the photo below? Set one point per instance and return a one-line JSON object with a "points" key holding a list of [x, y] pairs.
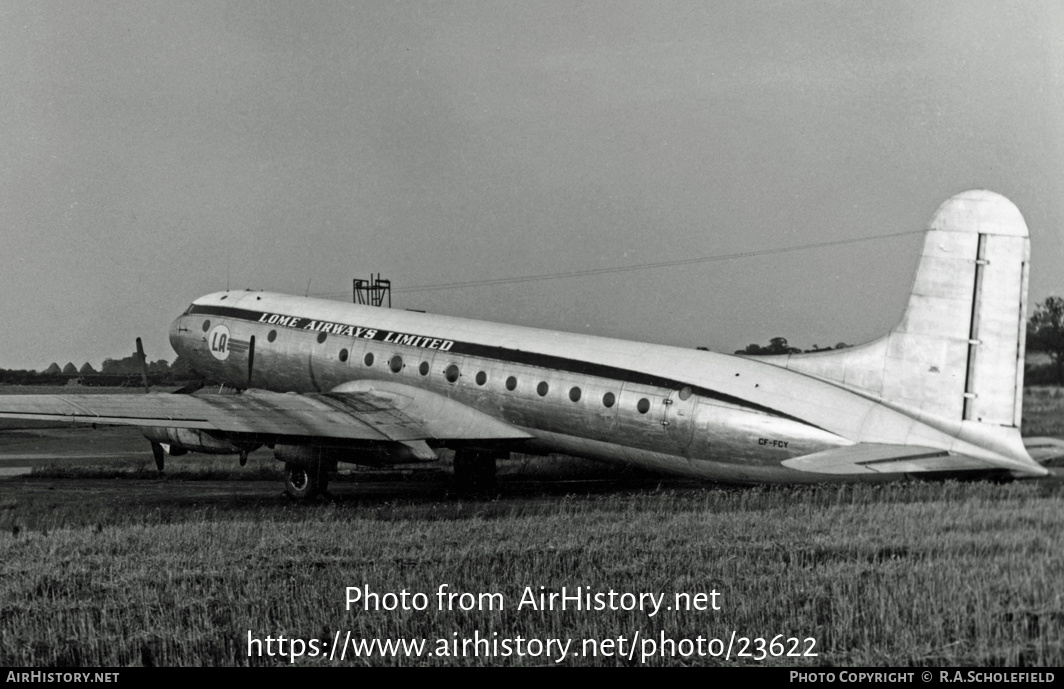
{"points": [[778, 345], [113, 372], [1045, 334]]}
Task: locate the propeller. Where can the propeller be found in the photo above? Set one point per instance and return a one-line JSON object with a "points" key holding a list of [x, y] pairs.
{"points": [[157, 452], [251, 370], [143, 365], [251, 358], [156, 448]]}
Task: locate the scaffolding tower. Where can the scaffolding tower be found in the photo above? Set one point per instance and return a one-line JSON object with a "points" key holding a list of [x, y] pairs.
{"points": [[372, 292]]}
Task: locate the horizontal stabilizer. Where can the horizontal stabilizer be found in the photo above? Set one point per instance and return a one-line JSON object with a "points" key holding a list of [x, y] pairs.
{"points": [[1044, 450], [874, 458]]}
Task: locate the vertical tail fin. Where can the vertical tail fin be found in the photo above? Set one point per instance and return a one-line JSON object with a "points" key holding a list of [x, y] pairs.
{"points": [[958, 351]]}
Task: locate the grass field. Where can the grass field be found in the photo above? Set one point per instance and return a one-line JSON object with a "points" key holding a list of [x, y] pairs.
{"points": [[1043, 411], [132, 569]]}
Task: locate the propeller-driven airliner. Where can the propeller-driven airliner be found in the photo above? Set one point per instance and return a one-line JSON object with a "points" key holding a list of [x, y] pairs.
{"points": [[323, 382]]}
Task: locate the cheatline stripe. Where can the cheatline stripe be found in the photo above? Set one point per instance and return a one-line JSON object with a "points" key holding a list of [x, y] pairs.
{"points": [[516, 356]]}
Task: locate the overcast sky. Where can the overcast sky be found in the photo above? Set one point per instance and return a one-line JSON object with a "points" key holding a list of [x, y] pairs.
{"points": [[151, 149]]}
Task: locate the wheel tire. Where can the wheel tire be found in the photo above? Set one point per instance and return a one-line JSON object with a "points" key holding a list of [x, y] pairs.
{"points": [[474, 472], [464, 471], [485, 476], [300, 483]]}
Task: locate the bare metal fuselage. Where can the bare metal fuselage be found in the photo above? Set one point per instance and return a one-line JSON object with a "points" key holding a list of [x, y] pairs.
{"points": [[686, 412]]}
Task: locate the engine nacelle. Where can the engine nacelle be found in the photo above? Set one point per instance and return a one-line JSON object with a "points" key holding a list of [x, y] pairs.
{"points": [[178, 441], [377, 454]]}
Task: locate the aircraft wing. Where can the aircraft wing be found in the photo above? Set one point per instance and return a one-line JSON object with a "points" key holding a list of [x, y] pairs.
{"points": [[357, 411], [875, 458]]}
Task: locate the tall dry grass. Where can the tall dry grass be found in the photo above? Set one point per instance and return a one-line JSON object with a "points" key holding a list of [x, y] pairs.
{"points": [[899, 574]]}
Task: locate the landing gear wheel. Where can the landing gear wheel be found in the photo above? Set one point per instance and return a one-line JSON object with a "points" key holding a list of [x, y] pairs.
{"points": [[304, 483], [486, 474], [474, 472], [300, 483]]}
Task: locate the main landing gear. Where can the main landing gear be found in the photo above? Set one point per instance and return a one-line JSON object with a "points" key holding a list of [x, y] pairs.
{"points": [[304, 483], [474, 472]]}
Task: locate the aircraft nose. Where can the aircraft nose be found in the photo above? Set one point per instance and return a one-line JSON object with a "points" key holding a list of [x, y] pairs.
{"points": [[179, 332]]}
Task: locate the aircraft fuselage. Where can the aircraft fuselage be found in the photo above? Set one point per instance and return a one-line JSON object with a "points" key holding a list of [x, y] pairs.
{"points": [[649, 405]]}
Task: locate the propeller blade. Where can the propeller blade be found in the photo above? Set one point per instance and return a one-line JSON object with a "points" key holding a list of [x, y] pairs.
{"points": [[157, 452], [251, 358], [143, 366]]}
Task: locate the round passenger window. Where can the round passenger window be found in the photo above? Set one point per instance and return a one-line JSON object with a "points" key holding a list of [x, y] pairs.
{"points": [[542, 388], [608, 399], [368, 359], [451, 373], [481, 377], [643, 405], [423, 369], [206, 326], [343, 355], [321, 337], [396, 364], [511, 383], [574, 394], [271, 336], [685, 393]]}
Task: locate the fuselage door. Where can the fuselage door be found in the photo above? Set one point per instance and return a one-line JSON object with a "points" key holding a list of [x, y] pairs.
{"points": [[679, 420]]}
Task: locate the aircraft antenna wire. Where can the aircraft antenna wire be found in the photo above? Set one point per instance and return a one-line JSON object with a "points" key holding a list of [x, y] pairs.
{"points": [[638, 266], [649, 266]]}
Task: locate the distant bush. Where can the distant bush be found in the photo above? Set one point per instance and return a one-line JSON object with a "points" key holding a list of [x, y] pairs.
{"points": [[23, 377], [1045, 374]]}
